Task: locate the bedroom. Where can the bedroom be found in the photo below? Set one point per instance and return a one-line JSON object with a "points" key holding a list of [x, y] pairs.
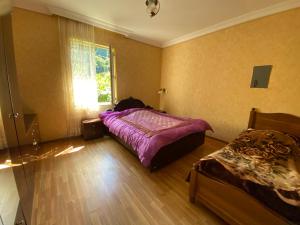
{"points": [[191, 60]]}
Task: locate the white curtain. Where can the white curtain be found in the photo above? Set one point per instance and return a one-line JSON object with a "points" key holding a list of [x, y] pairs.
{"points": [[79, 72], [2, 134]]}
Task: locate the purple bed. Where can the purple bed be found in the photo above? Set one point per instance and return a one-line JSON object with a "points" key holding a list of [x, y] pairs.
{"points": [[156, 138]]}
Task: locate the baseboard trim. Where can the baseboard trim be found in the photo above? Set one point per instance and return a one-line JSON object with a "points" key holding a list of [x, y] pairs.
{"points": [[217, 139]]}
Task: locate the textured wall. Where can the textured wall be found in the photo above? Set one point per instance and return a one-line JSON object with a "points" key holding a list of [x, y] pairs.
{"points": [[209, 76], [39, 73], [138, 66], [38, 70]]}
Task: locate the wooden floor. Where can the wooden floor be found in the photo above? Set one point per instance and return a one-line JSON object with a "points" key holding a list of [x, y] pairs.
{"points": [[99, 182]]}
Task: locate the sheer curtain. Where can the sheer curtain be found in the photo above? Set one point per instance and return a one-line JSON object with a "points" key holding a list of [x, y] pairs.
{"points": [[79, 72], [2, 134]]}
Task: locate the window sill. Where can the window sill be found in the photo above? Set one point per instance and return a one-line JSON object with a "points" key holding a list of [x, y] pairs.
{"points": [[105, 104]]}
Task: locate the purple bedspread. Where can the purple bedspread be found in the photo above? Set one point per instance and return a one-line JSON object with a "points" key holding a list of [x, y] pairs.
{"points": [[147, 131]]}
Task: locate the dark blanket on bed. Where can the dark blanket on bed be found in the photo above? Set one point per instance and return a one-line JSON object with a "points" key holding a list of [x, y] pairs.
{"points": [[263, 163]]}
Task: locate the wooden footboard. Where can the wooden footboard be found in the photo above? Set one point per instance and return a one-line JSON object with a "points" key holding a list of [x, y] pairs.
{"points": [[232, 204], [171, 152], [177, 149]]}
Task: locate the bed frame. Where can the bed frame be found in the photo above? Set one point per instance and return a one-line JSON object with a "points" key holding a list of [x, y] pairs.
{"points": [[232, 204], [168, 153], [171, 152]]}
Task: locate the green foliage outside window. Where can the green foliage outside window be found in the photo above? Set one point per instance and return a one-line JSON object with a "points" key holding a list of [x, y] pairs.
{"points": [[103, 75]]}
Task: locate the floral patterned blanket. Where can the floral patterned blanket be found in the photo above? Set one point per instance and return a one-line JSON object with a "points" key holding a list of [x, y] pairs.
{"points": [[264, 157]]}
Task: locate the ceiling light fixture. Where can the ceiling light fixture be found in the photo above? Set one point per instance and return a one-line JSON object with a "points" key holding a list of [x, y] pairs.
{"points": [[153, 7]]}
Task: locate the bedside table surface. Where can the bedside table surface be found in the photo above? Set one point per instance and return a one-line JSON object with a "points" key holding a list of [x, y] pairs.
{"points": [[92, 120]]}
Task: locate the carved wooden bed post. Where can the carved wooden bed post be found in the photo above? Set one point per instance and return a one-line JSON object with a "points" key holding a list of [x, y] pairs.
{"points": [[251, 123], [193, 183]]}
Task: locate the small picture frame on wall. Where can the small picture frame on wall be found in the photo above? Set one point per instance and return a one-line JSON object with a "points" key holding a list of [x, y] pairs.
{"points": [[261, 76]]}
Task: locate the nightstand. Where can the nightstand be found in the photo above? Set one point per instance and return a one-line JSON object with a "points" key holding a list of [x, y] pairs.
{"points": [[92, 129]]}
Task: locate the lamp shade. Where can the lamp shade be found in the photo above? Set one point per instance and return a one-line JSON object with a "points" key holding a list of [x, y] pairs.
{"points": [[153, 7]]}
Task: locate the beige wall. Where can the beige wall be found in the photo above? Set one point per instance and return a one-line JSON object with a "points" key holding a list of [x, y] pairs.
{"points": [[138, 67], [209, 76], [39, 73], [206, 77]]}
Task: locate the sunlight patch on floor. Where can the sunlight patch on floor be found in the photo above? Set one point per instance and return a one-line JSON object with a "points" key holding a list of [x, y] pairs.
{"points": [[70, 150], [8, 164]]}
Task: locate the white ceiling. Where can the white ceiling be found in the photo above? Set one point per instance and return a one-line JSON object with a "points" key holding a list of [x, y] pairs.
{"points": [[177, 20]]}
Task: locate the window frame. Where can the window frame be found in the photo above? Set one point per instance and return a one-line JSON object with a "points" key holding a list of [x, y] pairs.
{"points": [[112, 73], [113, 76]]}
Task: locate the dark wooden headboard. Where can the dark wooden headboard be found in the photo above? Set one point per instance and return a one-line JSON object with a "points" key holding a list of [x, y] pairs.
{"points": [[275, 121], [129, 103]]}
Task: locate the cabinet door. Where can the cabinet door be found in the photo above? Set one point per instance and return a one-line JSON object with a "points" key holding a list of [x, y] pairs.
{"points": [[14, 188]]}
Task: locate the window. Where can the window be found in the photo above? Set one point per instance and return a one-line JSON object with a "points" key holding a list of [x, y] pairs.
{"points": [[91, 74], [103, 74]]}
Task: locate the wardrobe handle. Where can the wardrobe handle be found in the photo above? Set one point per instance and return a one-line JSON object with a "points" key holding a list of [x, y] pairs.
{"points": [[17, 115], [14, 115], [21, 222]]}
